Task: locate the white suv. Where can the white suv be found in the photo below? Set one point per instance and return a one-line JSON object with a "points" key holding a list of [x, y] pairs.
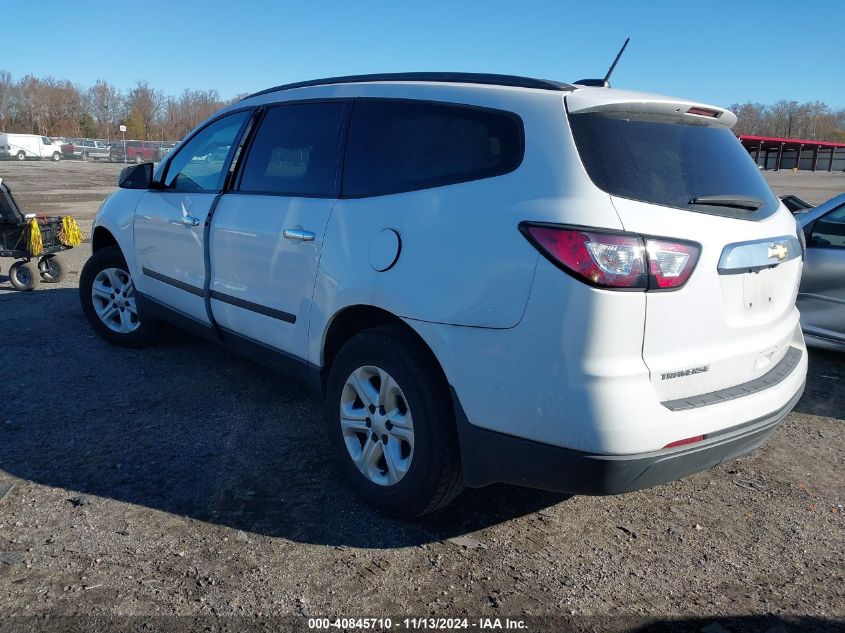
{"points": [[491, 278]]}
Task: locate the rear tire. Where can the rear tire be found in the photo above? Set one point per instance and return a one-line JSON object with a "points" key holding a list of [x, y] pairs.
{"points": [[108, 299], [21, 155], [85, 156], [51, 269], [420, 476], [24, 276]]}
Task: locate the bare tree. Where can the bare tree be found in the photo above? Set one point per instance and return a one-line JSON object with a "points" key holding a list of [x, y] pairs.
{"points": [[105, 104], [7, 96], [751, 118], [813, 120]]}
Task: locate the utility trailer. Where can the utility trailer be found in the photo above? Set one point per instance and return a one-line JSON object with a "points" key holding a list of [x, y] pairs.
{"points": [[15, 233]]}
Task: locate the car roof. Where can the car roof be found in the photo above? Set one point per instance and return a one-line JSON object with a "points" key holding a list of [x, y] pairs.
{"points": [[431, 77]]}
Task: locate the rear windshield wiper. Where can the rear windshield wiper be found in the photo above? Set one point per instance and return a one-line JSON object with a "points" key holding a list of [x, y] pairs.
{"points": [[731, 202]]}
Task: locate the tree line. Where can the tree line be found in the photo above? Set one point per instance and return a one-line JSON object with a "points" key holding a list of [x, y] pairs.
{"points": [[813, 120], [57, 107]]}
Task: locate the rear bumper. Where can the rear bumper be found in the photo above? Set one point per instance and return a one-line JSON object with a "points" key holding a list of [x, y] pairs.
{"points": [[491, 457]]}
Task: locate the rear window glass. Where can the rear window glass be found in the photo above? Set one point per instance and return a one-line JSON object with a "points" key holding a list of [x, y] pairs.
{"points": [[668, 161], [397, 146]]}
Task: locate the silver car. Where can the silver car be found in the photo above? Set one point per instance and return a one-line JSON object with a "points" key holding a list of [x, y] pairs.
{"points": [[821, 298]]}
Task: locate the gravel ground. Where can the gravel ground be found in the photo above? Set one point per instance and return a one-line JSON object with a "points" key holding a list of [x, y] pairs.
{"points": [[181, 480]]}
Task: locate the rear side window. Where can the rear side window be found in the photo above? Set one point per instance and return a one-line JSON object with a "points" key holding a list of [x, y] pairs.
{"points": [[829, 230], [296, 151], [670, 161], [397, 146]]}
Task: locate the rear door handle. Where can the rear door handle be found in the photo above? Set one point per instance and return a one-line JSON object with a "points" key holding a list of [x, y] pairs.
{"points": [[298, 234]]}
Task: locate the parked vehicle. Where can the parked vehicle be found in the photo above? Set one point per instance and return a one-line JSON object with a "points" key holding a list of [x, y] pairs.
{"points": [[491, 278], [84, 149], [165, 149], [136, 152], [28, 146], [821, 298], [795, 203]]}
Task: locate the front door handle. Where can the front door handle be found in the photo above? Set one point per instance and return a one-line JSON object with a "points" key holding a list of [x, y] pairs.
{"points": [[187, 220], [298, 234]]}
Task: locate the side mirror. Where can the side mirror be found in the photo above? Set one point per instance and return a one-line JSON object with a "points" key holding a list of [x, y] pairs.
{"points": [[136, 177]]}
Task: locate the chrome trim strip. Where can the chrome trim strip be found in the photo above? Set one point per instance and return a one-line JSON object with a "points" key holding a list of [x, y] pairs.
{"points": [[744, 257]]}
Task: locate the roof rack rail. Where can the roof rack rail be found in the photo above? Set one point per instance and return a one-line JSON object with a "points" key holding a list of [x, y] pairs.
{"points": [[438, 77]]}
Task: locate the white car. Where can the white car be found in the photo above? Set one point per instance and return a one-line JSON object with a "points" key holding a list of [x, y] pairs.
{"points": [[490, 278], [29, 146]]}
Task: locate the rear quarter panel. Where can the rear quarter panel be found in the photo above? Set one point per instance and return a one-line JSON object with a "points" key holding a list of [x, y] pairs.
{"points": [[463, 260]]}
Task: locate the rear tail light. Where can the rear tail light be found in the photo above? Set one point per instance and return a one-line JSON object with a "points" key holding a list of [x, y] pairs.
{"points": [[670, 263], [615, 260]]}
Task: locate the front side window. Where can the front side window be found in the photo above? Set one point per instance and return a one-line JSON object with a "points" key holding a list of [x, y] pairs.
{"points": [[296, 151], [199, 165], [397, 146], [829, 230]]}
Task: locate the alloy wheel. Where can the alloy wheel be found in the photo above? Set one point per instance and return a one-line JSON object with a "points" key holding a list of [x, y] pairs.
{"points": [[113, 296]]}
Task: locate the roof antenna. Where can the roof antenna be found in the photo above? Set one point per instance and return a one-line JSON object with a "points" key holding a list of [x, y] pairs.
{"points": [[605, 83]]}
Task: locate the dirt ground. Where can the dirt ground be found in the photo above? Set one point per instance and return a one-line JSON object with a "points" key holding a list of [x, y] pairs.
{"points": [[184, 481]]}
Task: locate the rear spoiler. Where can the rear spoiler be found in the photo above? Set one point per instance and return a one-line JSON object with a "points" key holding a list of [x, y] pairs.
{"points": [[598, 100]]}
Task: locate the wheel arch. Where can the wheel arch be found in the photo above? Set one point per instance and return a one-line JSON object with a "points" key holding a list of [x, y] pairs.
{"points": [[354, 319], [102, 238]]}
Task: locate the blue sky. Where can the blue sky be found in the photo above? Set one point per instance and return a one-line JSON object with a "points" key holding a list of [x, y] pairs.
{"points": [[715, 52]]}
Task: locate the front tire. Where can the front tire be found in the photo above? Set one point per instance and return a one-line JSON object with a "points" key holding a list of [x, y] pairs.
{"points": [[108, 298], [24, 276], [56, 157], [391, 422]]}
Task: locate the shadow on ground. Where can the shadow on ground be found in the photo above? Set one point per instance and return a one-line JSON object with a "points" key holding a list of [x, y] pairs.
{"points": [[187, 428], [825, 382]]}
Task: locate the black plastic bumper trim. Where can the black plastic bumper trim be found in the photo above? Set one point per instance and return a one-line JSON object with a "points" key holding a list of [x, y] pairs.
{"points": [[287, 317], [170, 281], [489, 457], [775, 376]]}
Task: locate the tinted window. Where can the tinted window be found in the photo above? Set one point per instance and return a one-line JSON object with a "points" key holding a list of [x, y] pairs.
{"points": [[398, 146], [296, 151], [668, 161], [829, 230], [199, 164]]}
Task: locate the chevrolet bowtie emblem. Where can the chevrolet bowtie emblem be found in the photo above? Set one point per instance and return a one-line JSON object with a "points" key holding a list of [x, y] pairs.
{"points": [[778, 250]]}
